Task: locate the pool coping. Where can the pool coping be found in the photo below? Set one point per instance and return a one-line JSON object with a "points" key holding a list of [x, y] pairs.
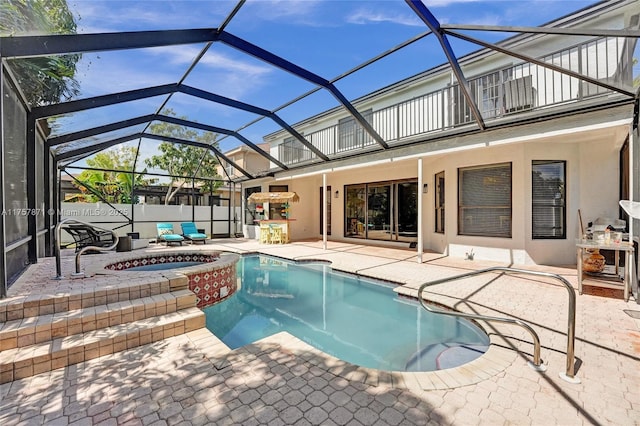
{"points": [[494, 361]]}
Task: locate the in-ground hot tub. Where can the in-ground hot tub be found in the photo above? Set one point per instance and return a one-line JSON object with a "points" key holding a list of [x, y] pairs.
{"points": [[212, 275]]}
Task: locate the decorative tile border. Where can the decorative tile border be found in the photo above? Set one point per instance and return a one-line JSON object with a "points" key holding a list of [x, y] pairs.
{"points": [[212, 281], [213, 286], [152, 259]]}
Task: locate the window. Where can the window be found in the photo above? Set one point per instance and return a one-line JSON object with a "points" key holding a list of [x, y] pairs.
{"points": [[351, 135], [277, 210], [292, 151], [251, 213], [484, 205], [459, 111], [230, 169], [488, 89], [548, 199], [439, 193]]}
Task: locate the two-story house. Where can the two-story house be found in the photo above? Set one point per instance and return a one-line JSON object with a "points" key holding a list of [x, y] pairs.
{"points": [[551, 140]]}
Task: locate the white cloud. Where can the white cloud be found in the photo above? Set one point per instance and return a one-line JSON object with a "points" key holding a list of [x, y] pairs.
{"points": [[101, 17], [110, 72], [484, 19], [125, 15], [280, 9], [184, 55], [98, 75], [487, 20], [363, 16]]}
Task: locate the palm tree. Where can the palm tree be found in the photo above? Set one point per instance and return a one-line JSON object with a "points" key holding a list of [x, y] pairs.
{"points": [[111, 186]]}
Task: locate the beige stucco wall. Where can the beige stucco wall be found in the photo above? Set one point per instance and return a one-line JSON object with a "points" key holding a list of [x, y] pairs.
{"points": [[592, 158]]}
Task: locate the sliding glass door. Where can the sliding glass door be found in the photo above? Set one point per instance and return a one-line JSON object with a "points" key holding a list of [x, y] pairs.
{"points": [[407, 211], [382, 211], [379, 218], [355, 213]]}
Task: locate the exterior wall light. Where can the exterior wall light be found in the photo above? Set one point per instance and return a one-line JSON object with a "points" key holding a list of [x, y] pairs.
{"points": [[336, 194], [425, 188]]}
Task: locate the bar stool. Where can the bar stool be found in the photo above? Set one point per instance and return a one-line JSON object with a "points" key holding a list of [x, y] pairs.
{"points": [[276, 235], [265, 235]]}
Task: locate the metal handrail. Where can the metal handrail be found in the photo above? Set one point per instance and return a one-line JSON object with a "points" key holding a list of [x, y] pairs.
{"points": [[83, 250], [569, 375]]}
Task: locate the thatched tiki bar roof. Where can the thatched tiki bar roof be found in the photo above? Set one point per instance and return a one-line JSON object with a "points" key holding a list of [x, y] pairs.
{"points": [[273, 197]]}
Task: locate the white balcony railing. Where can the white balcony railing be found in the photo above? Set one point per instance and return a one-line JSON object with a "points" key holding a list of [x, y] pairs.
{"points": [[513, 90]]}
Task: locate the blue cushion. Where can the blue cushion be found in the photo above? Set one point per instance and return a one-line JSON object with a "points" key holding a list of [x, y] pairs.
{"points": [[196, 236], [189, 228], [172, 237]]}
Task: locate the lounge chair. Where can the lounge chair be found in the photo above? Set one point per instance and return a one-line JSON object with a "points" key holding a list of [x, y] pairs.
{"points": [[190, 232], [85, 235], [166, 234]]}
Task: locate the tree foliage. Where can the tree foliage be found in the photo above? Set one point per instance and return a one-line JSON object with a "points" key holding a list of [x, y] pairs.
{"points": [[185, 161], [114, 187], [43, 80]]}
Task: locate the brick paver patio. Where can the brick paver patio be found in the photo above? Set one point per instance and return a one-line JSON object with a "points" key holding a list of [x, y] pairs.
{"points": [[186, 379]]}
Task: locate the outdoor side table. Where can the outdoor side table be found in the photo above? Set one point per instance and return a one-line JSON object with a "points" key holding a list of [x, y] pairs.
{"points": [[607, 280]]}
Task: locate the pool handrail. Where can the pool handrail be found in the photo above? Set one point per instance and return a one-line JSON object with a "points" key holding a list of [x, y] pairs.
{"points": [[81, 251], [569, 374]]}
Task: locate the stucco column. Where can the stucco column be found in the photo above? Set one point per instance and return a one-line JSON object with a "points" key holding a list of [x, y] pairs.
{"points": [[324, 211], [420, 197]]}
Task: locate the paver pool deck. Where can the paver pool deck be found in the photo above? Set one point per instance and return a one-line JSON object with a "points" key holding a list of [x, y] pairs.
{"points": [[188, 379]]}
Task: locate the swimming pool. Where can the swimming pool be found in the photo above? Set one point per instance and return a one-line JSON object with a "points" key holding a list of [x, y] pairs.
{"points": [[357, 320]]}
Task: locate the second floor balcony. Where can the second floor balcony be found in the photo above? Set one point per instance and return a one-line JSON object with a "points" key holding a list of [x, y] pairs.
{"points": [[502, 94]]}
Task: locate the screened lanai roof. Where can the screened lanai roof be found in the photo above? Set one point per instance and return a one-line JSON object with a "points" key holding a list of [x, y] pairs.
{"points": [[245, 69]]}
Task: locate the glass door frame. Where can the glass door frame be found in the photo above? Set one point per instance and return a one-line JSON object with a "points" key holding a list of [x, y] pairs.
{"points": [[360, 228]]}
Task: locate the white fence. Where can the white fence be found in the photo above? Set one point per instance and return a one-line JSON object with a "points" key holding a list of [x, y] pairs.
{"points": [[214, 220]]}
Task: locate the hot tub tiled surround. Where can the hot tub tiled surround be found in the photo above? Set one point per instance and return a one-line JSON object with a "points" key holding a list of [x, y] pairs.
{"points": [[211, 281], [48, 323]]}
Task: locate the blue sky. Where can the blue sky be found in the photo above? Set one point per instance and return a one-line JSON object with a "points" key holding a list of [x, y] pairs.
{"points": [[328, 37]]}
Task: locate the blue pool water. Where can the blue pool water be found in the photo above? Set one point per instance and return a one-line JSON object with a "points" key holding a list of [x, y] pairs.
{"points": [[163, 266], [354, 319]]}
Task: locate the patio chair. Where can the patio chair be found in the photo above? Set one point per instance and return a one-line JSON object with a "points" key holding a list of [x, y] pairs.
{"points": [[85, 235], [166, 234], [190, 232]]}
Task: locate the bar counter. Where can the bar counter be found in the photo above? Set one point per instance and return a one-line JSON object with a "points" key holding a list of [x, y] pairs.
{"points": [[275, 231]]}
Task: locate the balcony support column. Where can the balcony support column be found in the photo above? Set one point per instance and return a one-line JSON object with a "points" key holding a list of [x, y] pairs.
{"points": [[421, 194], [324, 211]]}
